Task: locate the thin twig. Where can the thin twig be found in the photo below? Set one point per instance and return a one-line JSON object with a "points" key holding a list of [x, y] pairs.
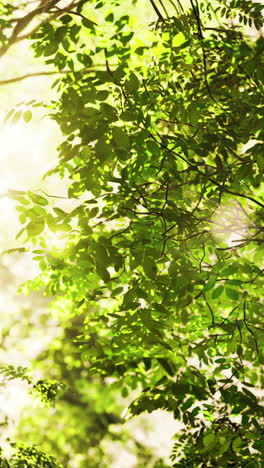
{"points": [[248, 328], [47, 73]]}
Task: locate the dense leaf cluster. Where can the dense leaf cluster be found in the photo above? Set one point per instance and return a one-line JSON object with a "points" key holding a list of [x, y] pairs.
{"points": [[28, 456], [162, 144]]}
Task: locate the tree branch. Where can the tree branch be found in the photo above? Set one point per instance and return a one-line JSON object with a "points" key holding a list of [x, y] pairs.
{"points": [[43, 73], [157, 10], [24, 22], [30, 75]]}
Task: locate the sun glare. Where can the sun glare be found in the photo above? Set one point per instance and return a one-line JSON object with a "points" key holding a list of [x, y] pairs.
{"points": [[230, 224], [24, 157], [57, 241], [27, 152]]}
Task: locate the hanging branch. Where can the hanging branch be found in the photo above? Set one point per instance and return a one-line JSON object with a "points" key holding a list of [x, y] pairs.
{"points": [[248, 327], [25, 21], [164, 8], [157, 10], [15, 79]]}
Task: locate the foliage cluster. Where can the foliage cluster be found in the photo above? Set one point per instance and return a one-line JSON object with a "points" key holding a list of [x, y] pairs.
{"points": [[162, 143]]}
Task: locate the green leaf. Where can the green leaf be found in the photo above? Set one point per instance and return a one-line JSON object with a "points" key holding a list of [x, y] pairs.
{"points": [[16, 116], [167, 366], [9, 114], [232, 345], [224, 447], [16, 194], [27, 116], [210, 284], [230, 270], [236, 443], [39, 200], [180, 389], [128, 116], [102, 95], [17, 249], [101, 254], [218, 291], [103, 150], [66, 19], [120, 137], [34, 228], [178, 40], [88, 23], [149, 267], [109, 18], [102, 272], [125, 37], [63, 227], [153, 148], [209, 440], [232, 294], [132, 83]]}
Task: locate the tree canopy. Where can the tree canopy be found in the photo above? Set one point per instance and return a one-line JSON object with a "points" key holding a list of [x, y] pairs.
{"points": [[162, 153]]}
